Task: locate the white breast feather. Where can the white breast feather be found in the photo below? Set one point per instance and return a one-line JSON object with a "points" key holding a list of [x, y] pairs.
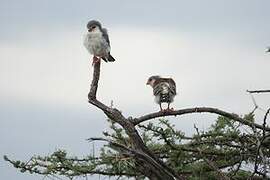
{"points": [[95, 43]]}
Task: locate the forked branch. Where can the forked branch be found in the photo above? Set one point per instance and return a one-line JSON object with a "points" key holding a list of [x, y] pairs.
{"points": [[154, 168]]}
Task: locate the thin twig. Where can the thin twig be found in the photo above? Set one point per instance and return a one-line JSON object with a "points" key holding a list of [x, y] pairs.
{"points": [[264, 121], [258, 91], [254, 103]]}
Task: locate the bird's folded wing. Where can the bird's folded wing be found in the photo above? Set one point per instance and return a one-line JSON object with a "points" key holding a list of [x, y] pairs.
{"points": [[157, 89], [105, 35], [172, 86]]}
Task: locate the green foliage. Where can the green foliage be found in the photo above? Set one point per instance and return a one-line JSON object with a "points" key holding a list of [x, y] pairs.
{"points": [[249, 117], [223, 146]]}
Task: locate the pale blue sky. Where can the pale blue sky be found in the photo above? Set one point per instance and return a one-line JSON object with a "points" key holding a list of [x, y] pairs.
{"points": [[214, 49]]}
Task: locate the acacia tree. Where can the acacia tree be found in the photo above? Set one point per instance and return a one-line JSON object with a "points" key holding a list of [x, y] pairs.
{"points": [[143, 149]]}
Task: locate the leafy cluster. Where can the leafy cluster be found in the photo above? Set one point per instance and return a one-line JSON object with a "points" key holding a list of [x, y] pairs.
{"points": [[226, 150]]}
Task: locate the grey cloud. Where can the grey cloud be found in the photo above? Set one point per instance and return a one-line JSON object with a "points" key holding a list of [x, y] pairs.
{"points": [[20, 16]]}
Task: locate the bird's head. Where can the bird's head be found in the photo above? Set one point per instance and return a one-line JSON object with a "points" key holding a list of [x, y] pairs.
{"points": [[151, 80], [93, 25]]}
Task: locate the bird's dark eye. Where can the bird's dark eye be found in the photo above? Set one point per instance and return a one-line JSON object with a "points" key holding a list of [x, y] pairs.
{"points": [[150, 79], [93, 27]]}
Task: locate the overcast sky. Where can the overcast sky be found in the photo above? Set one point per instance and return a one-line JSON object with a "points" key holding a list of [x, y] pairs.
{"points": [[214, 49]]}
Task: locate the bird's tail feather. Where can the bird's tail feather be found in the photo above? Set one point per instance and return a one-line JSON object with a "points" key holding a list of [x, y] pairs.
{"points": [[104, 59], [164, 98], [110, 58]]}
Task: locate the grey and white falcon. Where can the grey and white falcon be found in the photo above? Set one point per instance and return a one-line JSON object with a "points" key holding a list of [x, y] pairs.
{"points": [[97, 42]]}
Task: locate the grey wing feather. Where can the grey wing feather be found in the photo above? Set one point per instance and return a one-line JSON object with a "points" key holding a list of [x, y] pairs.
{"points": [[157, 90], [105, 35], [172, 86]]}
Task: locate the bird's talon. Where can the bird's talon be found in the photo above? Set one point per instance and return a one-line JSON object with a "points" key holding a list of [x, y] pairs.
{"points": [[162, 110], [169, 109]]}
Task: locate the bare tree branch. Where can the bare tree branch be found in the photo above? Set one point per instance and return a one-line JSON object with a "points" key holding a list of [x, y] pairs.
{"points": [[197, 110], [258, 91]]}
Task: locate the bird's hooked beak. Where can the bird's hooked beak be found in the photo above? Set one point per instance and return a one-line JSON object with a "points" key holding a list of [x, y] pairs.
{"points": [[147, 83]]}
